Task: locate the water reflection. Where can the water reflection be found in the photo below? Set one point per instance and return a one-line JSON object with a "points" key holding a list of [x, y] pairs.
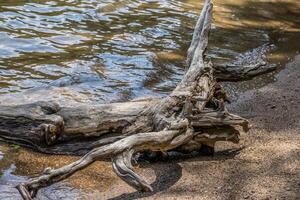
{"points": [[126, 43], [43, 41]]}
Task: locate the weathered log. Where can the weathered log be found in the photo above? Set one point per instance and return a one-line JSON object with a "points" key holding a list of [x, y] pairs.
{"points": [[193, 115], [234, 72], [26, 124], [77, 130], [246, 66]]}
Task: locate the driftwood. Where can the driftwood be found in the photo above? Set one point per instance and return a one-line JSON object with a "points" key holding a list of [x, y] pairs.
{"points": [[193, 116]]}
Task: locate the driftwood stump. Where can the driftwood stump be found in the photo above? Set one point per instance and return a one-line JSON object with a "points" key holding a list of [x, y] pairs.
{"points": [[192, 116]]}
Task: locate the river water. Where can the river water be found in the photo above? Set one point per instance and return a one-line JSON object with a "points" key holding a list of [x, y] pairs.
{"points": [[122, 50]]}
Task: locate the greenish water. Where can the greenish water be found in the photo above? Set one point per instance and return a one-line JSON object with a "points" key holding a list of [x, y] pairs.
{"points": [[125, 49]]}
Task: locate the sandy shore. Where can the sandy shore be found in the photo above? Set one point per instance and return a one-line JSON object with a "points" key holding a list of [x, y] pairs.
{"points": [[265, 165]]}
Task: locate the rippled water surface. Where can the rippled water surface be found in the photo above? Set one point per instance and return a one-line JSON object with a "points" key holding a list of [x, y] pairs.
{"points": [[124, 49], [120, 50]]}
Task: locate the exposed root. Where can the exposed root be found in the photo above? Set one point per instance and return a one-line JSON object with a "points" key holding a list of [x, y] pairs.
{"points": [[123, 168]]}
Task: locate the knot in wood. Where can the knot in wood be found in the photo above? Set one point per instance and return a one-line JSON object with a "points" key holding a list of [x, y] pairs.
{"points": [[49, 133], [47, 170]]}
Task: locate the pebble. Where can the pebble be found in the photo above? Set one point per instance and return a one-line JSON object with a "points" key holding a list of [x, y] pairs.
{"points": [[288, 189], [273, 106]]}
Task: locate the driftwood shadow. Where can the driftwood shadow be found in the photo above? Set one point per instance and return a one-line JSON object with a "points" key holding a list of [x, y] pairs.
{"points": [[164, 180], [168, 171]]}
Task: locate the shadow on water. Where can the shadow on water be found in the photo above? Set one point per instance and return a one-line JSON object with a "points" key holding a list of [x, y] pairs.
{"points": [[249, 24]]}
